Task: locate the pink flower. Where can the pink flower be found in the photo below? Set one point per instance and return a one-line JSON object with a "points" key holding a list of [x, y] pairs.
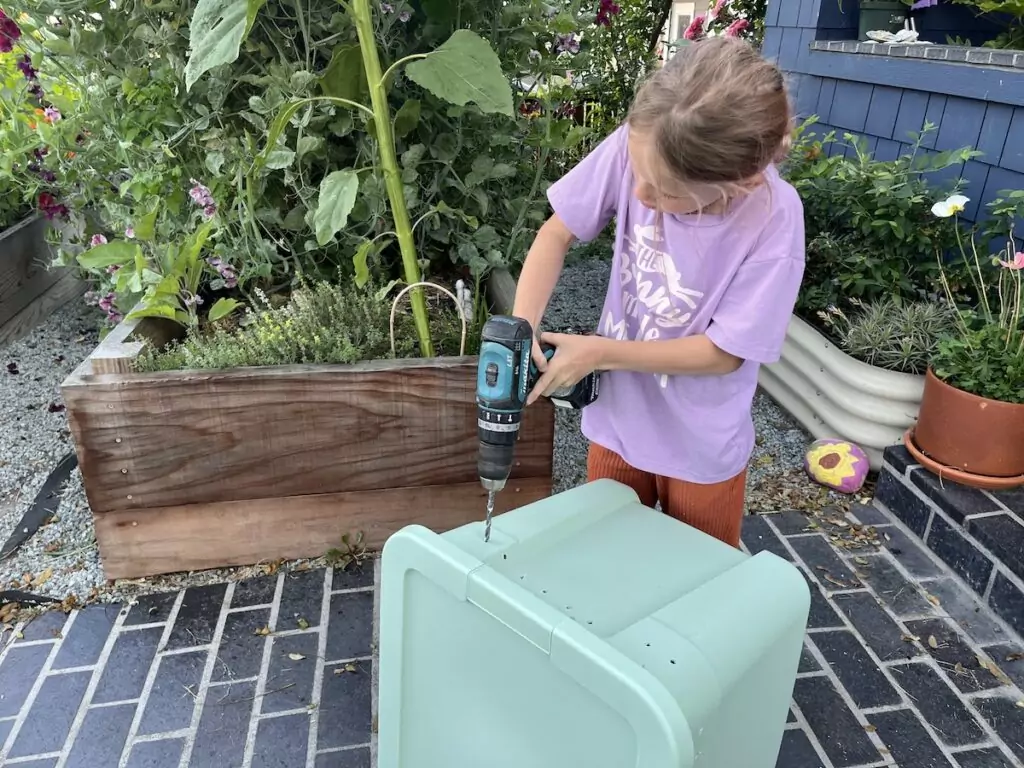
{"points": [[1017, 263], [717, 10], [98, 240], [51, 114], [696, 29], [737, 28], [130, 233], [200, 194]]}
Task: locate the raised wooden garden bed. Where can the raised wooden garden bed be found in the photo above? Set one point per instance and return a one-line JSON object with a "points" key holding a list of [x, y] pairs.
{"points": [[190, 470], [29, 289]]}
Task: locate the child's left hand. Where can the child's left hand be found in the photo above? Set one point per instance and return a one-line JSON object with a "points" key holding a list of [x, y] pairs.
{"points": [[575, 357]]}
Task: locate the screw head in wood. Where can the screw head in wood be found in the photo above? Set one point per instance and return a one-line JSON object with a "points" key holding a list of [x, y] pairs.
{"points": [[124, 471], [117, 439]]}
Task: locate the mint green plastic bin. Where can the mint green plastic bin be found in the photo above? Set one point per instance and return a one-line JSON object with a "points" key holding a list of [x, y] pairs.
{"points": [[591, 632]]}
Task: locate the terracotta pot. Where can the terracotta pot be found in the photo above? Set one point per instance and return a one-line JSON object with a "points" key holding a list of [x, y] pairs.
{"points": [[975, 435]]}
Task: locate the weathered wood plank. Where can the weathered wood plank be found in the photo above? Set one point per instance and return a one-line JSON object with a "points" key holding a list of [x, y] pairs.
{"points": [[67, 288], [171, 439], [197, 537], [24, 267]]}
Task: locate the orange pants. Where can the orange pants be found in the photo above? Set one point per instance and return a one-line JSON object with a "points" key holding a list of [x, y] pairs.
{"points": [[716, 509]]}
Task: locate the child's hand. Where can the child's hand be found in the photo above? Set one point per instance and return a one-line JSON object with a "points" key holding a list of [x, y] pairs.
{"points": [[575, 357]]}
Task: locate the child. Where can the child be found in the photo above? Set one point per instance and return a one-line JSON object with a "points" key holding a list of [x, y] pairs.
{"points": [[709, 255]]}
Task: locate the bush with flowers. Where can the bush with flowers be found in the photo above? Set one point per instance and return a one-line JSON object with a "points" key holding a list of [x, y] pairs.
{"points": [[163, 126], [728, 18], [870, 276], [39, 128]]}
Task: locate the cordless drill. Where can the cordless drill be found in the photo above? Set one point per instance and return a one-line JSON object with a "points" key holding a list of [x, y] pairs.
{"points": [[505, 376]]}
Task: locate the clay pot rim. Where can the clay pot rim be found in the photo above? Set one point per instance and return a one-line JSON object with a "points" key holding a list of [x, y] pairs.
{"points": [[969, 479], [963, 393]]}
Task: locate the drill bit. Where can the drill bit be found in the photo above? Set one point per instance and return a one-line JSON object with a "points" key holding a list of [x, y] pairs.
{"points": [[490, 512]]}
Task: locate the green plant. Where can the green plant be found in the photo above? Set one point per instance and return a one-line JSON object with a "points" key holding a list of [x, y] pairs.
{"points": [[869, 228], [891, 334], [984, 353], [163, 281], [620, 53], [322, 323], [1009, 11], [39, 128], [351, 553], [473, 182], [464, 69]]}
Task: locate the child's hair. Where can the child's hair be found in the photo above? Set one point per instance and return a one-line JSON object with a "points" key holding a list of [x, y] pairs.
{"points": [[717, 111]]}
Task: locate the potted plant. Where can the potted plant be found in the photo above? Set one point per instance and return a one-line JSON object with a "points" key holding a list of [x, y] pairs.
{"points": [[971, 426], [881, 16]]}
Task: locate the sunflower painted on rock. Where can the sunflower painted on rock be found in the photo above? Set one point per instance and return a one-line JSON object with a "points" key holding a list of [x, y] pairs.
{"points": [[837, 464]]}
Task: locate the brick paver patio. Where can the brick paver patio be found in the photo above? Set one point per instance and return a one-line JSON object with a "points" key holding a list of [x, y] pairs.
{"points": [[903, 666]]}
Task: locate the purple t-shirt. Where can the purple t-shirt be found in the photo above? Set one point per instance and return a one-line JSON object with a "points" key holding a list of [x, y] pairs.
{"points": [[733, 277]]}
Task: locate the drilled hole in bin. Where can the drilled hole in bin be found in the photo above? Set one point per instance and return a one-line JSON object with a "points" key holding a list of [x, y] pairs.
{"points": [[648, 645], [504, 557], [590, 622], [671, 661], [543, 591]]}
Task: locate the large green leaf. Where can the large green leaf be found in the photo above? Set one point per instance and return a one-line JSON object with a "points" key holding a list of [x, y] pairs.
{"points": [[345, 77], [337, 196], [216, 32], [154, 310], [465, 69], [361, 265], [109, 254], [222, 308], [406, 118]]}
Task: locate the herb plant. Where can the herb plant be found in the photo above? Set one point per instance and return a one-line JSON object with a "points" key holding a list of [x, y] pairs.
{"points": [[322, 322]]}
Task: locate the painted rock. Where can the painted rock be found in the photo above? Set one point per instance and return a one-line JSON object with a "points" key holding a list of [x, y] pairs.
{"points": [[837, 464]]}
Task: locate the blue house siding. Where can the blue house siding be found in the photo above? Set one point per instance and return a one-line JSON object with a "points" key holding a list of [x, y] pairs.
{"points": [[887, 98]]}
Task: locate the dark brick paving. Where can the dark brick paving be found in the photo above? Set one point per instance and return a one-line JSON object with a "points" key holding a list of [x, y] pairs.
{"points": [[276, 672], [891, 673]]}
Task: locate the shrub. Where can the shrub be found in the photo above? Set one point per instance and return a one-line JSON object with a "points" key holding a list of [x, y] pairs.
{"points": [[891, 334], [869, 226]]}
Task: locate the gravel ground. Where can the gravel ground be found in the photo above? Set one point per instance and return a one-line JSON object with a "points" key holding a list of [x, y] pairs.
{"points": [[61, 560]]}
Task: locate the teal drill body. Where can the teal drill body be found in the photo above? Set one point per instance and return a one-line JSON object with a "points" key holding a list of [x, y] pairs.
{"points": [[505, 376]]}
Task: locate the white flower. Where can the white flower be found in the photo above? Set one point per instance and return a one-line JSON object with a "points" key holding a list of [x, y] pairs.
{"points": [[951, 206]]}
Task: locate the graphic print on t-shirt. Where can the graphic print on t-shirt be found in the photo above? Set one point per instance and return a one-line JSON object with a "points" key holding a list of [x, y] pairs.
{"points": [[654, 298]]}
